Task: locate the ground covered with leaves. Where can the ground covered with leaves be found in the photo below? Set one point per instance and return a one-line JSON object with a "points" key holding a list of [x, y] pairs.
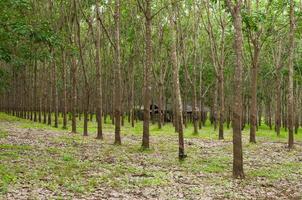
{"points": [[41, 162]]}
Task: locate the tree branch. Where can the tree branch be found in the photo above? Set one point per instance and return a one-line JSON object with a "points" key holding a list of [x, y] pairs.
{"points": [[105, 30]]}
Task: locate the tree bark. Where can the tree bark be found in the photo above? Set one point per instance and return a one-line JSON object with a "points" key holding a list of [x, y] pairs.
{"points": [[221, 102], [35, 90], [49, 97], [253, 110], [278, 91], [55, 90], [290, 100], [147, 72], [237, 97], [118, 79], [64, 89], [98, 76], [176, 84]]}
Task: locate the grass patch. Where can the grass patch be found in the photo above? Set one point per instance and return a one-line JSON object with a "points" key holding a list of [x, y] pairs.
{"points": [[8, 175], [277, 172], [207, 132], [125, 176], [213, 164], [265, 134], [8, 155], [216, 165], [3, 134], [67, 158], [150, 179], [14, 147]]}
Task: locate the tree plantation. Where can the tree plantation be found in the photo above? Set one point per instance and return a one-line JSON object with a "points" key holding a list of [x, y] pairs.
{"points": [[150, 99]]}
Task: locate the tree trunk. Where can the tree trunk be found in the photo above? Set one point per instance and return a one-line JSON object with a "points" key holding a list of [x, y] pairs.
{"points": [[64, 89], [221, 102], [86, 108], [260, 113], [132, 107], [118, 79], [297, 108], [49, 97], [55, 90], [290, 100], [176, 84], [98, 76], [41, 80], [215, 109], [200, 101], [237, 98], [253, 110], [270, 115], [278, 103], [147, 72], [44, 93], [35, 91], [160, 104]]}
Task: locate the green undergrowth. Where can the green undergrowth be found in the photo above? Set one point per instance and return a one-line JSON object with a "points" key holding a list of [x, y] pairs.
{"points": [[214, 164], [3, 134], [9, 171], [277, 172], [65, 167], [8, 175], [80, 165], [264, 134]]}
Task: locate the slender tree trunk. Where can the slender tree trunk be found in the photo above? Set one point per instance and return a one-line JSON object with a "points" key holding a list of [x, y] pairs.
{"points": [[118, 79], [55, 90], [35, 90], [278, 102], [260, 114], [176, 84], [74, 94], [215, 107], [40, 89], [290, 100], [243, 119], [229, 117], [237, 97], [132, 107], [64, 90], [49, 100], [253, 110], [86, 110], [161, 104], [200, 101], [31, 94], [147, 72], [44, 93], [297, 108], [98, 76], [221, 102], [270, 115]]}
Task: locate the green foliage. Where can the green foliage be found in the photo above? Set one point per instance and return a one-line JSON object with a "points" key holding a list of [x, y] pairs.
{"points": [[7, 176]]}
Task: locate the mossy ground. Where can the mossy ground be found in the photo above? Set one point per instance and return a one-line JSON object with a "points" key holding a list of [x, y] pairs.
{"points": [[42, 161]]}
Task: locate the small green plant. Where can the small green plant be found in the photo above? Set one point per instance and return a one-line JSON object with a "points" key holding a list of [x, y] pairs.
{"points": [[3, 134]]}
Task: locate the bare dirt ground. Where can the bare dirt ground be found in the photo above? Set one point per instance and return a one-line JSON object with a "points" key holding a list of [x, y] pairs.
{"points": [[47, 164]]}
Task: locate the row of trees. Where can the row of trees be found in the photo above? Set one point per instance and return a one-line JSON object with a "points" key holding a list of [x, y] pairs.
{"points": [[239, 59]]}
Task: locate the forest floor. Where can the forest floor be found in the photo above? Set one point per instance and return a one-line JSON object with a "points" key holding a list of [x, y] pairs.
{"points": [[41, 162]]}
